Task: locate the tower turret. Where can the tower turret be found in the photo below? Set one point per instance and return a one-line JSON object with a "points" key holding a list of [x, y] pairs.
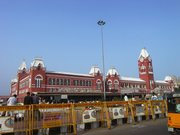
{"points": [[146, 69], [37, 76]]}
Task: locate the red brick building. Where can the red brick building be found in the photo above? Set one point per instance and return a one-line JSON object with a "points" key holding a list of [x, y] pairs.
{"points": [[59, 85]]}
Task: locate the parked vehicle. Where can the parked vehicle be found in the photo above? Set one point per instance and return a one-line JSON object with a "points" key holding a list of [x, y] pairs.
{"points": [[173, 103]]}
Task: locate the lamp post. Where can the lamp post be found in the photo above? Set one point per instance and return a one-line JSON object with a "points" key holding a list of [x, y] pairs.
{"points": [[101, 23]]}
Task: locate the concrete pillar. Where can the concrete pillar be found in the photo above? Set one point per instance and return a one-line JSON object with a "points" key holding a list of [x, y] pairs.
{"points": [[80, 127], [64, 129], [119, 121], [129, 121], [94, 125], [139, 118]]}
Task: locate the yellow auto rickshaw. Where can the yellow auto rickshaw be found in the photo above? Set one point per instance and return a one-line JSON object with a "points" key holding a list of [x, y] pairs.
{"points": [[173, 103]]}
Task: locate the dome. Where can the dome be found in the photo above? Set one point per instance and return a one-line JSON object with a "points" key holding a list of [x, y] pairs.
{"points": [[112, 71], [22, 66], [14, 80], [94, 70], [36, 62], [168, 78], [144, 53]]}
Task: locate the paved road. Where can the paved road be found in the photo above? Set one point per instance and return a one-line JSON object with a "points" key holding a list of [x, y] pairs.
{"points": [[157, 127]]}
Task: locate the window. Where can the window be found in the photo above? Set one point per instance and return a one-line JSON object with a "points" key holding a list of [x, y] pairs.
{"points": [[65, 82], [84, 83], [77, 82], [98, 84], [57, 81], [116, 84], [109, 83], [62, 82], [80, 82], [87, 84], [38, 80], [50, 81], [54, 81], [74, 82], [90, 83], [68, 82]]}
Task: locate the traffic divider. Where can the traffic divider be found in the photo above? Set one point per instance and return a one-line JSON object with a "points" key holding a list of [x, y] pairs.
{"points": [[78, 117]]}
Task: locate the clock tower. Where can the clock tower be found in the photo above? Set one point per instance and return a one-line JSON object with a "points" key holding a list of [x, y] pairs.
{"points": [[146, 69]]}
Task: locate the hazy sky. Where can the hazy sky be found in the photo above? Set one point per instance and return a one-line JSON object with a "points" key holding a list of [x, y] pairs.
{"points": [[66, 35]]}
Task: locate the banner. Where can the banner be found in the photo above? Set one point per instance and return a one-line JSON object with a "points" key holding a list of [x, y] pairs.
{"points": [[6, 124], [51, 119], [140, 111], [89, 116], [118, 112], [157, 110]]}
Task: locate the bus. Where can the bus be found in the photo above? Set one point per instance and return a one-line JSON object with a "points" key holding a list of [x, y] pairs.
{"points": [[173, 103]]}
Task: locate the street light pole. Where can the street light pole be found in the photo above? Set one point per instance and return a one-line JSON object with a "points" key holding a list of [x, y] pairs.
{"points": [[102, 23]]}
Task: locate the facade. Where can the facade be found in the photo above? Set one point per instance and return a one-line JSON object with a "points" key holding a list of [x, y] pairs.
{"points": [[62, 85]]}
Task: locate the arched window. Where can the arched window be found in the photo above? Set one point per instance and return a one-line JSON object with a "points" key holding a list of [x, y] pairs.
{"points": [[98, 84], [109, 84], [50, 81], [38, 80], [116, 84]]}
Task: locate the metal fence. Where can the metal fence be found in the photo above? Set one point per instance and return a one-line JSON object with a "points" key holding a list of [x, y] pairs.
{"points": [[73, 118]]}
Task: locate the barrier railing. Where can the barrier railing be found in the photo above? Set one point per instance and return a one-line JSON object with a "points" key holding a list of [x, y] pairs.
{"points": [[15, 119], [74, 118]]}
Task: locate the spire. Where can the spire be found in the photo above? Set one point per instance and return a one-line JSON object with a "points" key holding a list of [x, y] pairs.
{"points": [[22, 66], [144, 53]]}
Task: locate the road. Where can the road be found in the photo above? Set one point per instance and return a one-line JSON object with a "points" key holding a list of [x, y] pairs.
{"points": [[157, 127]]}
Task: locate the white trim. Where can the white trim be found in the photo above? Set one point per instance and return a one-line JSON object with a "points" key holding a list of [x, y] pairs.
{"points": [[37, 76], [150, 72], [142, 73], [109, 80], [99, 81], [68, 73], [116, 81], [27, 77], [131, 79]]}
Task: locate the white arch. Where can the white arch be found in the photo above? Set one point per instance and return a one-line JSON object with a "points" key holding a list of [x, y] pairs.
{"points": [[116, 82], [98, 81], [39, 75]]}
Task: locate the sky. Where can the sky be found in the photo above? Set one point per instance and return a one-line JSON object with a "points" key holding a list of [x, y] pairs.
{"points": [[65, 34]]}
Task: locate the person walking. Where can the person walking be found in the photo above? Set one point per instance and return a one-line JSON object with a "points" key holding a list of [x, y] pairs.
{"points": [[125, 97], [12, 100], [154, 97], [35, 98], [28, 99]]}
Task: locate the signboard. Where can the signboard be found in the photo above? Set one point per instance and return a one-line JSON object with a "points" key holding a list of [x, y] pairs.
{"points": [[157, 110], [117, 112], [140, 111], [6, 124], [64, 96], [51, 119], [89, 116]]}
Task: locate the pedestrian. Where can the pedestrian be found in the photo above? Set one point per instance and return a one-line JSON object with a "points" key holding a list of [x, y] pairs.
{"points": [[125, 97], [28, 99], [154, 97], [11, 102], [35, 98]]}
